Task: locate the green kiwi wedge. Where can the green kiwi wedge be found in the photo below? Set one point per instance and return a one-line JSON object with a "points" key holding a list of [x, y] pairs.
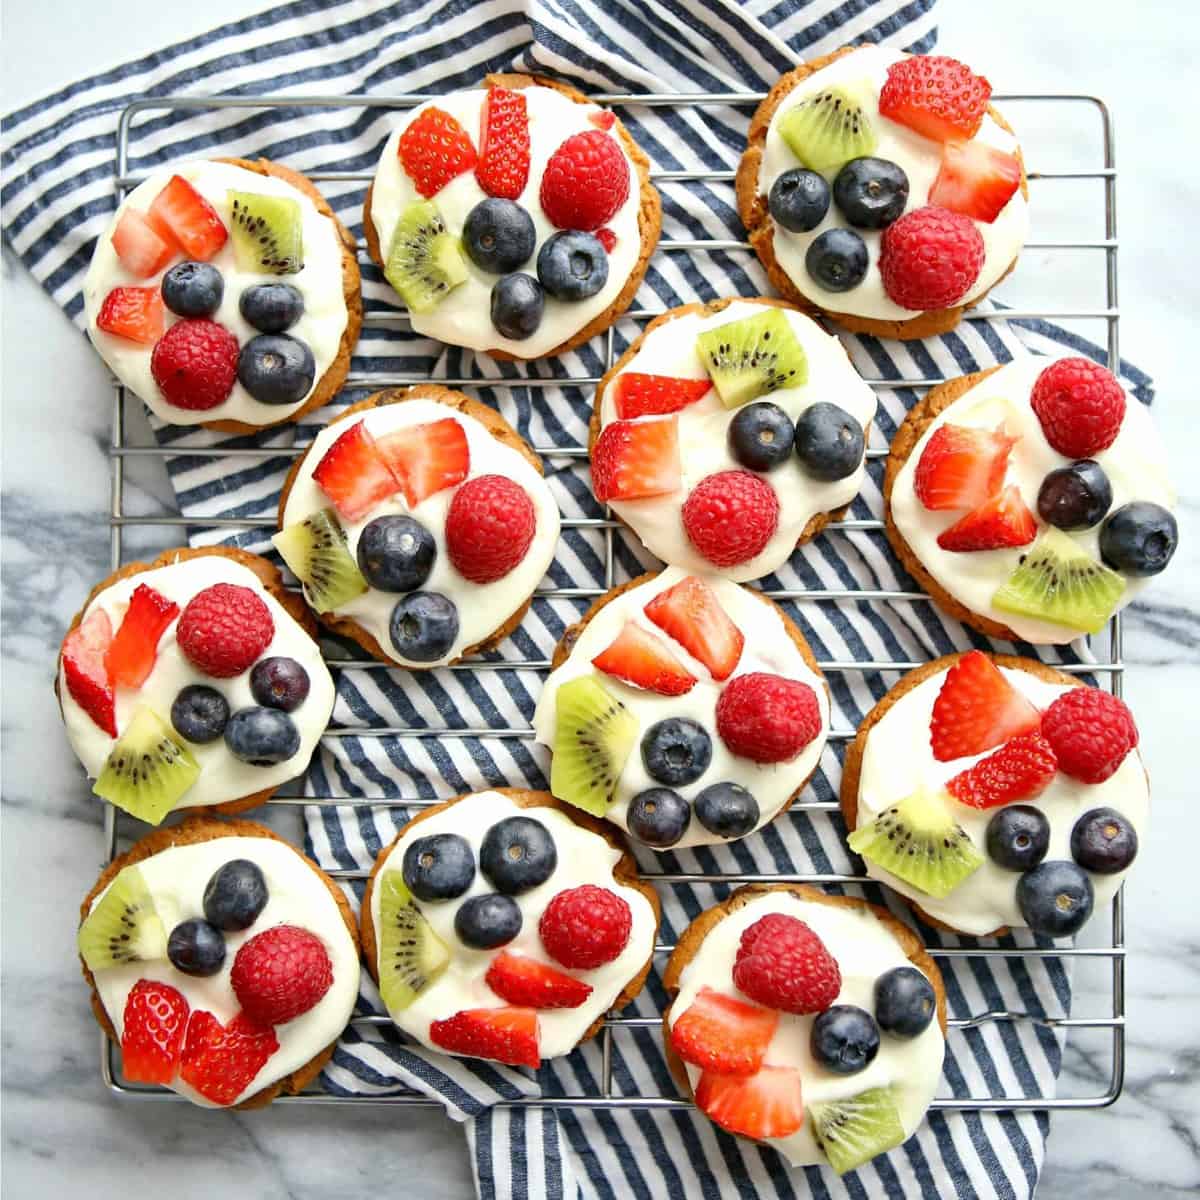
{"points": [[315, 550], [148, 770], [424, 262], [593, 736], [411, 955], [753, 357], [268, 233], [852, 1131], [123, 926], [829, 129]]}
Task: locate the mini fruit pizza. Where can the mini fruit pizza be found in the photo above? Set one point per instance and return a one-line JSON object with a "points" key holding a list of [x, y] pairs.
{"points": [[994, 791], [516, 218], [882, 189], [683, 708], [813, 1023], [504, 925], [226, 294], [419, 525], [1032, 500], [221, 960], [194, 681], [730, 433]]}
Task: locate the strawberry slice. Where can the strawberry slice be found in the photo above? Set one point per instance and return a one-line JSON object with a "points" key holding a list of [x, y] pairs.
{"points": [[141, 250], [603, 118], [690, 612], [766, 1105], [935, 95], [427, 458], [181, 216], [354, 475], [1021, 769], [962, 467], [528, 983], [724, 1035], [221, 1061], [606, 238], [635, 459], [645, 660], [503, 166], [639, 395], [434, 149], [976, 709], [156, 1019], [130, 657], [134, 313], [508, 1035], [84, 671], [975, 180], [1004, 520]]}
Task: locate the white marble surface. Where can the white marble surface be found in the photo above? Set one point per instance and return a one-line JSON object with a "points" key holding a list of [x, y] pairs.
{"points": [[63, 1135]]}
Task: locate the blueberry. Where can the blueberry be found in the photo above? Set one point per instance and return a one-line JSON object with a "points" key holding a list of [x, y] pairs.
{"points": [[196, 948], [871, 192], [676, 751], [1055, 898], [659, 817], [485, 922], [727, 810], [279, 682], [271, 307], [572, 265], [1103, 841], [200, 714], [517, 854], [837, 260], [1075, 497], [761, 436], [498, 236], [517, 303], [262, 737], [904, 1002], [1139, 538], [799, 200], [424, 626], [235, 895], [193, 289], [276, 369], [438, 867], [829, 441], [395, 553], [844, 1039], [1018, 837]]}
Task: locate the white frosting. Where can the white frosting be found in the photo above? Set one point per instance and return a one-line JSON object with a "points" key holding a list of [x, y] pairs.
{"points": [[482, 607], [176, 879], [320, 282], [670, 349], [463, 318], [222, 777], [864, 949], [583, 858], [768, 648], [918, 156], [1136, 466], [898, 760]]}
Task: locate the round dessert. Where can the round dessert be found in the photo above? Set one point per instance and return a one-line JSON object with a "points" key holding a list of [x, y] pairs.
{"points": [[419, 525], [683, 708], [194, 681], [730, 433], [995, 792], [504, 925], [883, 190], [516, 218], [1032, 500], [221, 960], [225, 293], [813, 1023]]}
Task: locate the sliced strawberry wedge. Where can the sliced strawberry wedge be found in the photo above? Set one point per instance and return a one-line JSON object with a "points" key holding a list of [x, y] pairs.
{"points": [[221, 1061], [603, 118], [508, 1035], [766, 1105], [690, 612], [130, 658], [724, 1035], [134, 313], [140, 248], [961, 467], [427, 458], [156, 1020], [85, 673], [639, 395], [1020, 770], [525, 982], [354, 475], [645, 660], [503, 166], [606, 238], [976, 709], [1004, 520], [179, 214], [635, 459], [975, 180]]}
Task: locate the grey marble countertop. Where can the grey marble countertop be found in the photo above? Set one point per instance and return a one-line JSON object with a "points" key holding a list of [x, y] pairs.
{"points": [[63, 1135]]}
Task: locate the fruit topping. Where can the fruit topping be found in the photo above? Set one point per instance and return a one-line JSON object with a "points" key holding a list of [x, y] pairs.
{"points": [[147, 771], [767, 1104], [837, 259], [1075, 497], [752, 357], [315, 551], [180, 215], [586, 181], [730, 517], [830, 128], [1103, 841], [644, 660], [411, 955], [487, 921], [905, 1002], [235, 895], [271, 307], [930, 258], [593, 736], [607, 239], [195, 364], [844, 1039], [196, 948], [355, 474], [498, 236], [141, 249], [829, 442], [489, 528], [276, 368], [279, 682], [766, 717], [224, 629], [517, 304], [1017, 837], [507, 1035], [221, 1061], [1020, 770], [424, 263], [440, 866], [503, 165], [799, 200], [658, 817], [1080, 406], [153, 1028], [572, 265], [761, 436], [783, 964], [133, 313], [424, 626], [639, 395], [690, 612], [1091, 731], [871, 192], [434, 149], [727, 809], [585, 927], [1055, 898], [85, 672], [723, 1035], [635, 459], [427, 458], [676, 751], [937, 96], [396, 553], [854, 1130], [199, 713], [976, 709], [603, 118], [262, 737], [527, 983], [281, 973], [123, 926], [517, 854], [961, 467], [193, 289], [130, 657], [1002, 521], [1139, 538], [975, 180]]}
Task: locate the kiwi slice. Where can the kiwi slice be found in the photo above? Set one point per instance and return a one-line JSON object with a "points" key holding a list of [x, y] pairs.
{"points": [[1057, 580], [148, 770], [424, 262], [315, 550], [852, 1131], [268, 233], [593, 736], [753, 357], [829, 129], [123, 926], [411, 955], [919, 841]]}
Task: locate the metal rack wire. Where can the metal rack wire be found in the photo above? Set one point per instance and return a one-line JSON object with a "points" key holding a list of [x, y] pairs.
{"points": [[1110, 669]]}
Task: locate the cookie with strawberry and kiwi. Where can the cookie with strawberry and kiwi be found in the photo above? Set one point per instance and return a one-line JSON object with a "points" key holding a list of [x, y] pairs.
{"points": [[685, 709], [996, 792], [419, 525], [810, 1022], [728, 434], [516, 218], [883, 190], [1032, 501], [221, 960], [192, 682], [504, 925]]}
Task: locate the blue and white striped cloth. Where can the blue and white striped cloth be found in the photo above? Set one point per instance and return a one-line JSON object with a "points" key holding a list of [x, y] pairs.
{"points": [[57, 196]]}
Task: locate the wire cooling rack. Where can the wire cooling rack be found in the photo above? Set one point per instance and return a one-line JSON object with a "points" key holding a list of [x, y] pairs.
{"points": [[1110, 667]]}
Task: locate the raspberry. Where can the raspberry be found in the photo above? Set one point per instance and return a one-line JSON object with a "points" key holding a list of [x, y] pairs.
{"points": [[766, 717], [929, 258], [586, 181], [781, 963], [435, 149], [585, 927], [731, 516], [489, 527], [280, 973], [1090, 732], [1080, 405], [195, 364], [224, 629]]}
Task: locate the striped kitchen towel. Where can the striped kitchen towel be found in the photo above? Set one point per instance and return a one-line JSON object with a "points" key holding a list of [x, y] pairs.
{"points": [[57, 195]]}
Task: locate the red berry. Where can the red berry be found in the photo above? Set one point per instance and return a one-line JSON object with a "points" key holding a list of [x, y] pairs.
{"points": [[526, 982], [507, 1035], [976, 709], [142, 251], [1021, 769], [586, 181], [130, 658], [585, 927], [156, 1019], [607, 239], [643, 659], [1080, 405], [768, 1104], [690, 612], [280, 973], [354, 473], [489, 528], [221, 1061], [1091, 732], [435, 149], [603, 118], [195, 364], [632, 460], [181, 216], [975, 180], [961, 467], [930, 258], [766, 717], [937, 96], [722, 1034], [224, 630], [638, 395], [731, 516], [84, 671], [781, 963], [1004, 520], [427, 458], [503, 166], [133, 313]]}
